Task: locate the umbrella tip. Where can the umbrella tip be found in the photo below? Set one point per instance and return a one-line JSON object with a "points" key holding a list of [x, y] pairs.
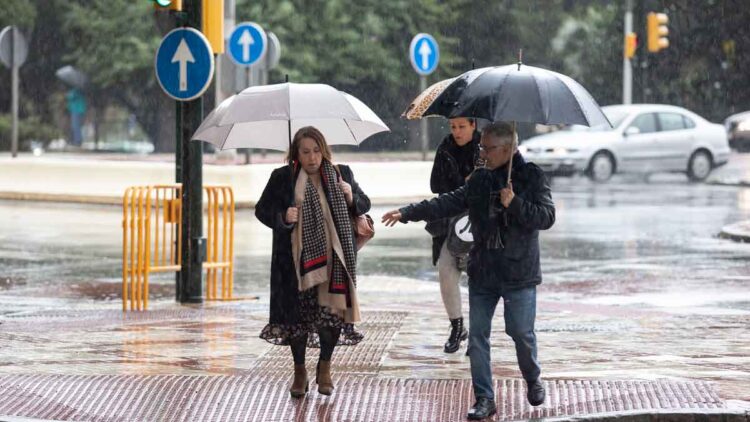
{"points": [[520, 58]]}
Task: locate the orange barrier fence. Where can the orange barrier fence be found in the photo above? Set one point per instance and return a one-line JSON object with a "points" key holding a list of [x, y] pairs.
{"points": [[152, 240]]}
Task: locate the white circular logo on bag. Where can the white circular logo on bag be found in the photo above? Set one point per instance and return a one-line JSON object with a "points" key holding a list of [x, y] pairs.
{"points": [[463, 229]]}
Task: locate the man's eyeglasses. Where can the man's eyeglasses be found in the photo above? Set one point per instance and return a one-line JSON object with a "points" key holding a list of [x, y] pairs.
{"points": [[488, 148]]}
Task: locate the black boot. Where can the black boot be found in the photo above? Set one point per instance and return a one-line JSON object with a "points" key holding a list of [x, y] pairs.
{"points": [[483, 408], [535, 392], [458, 334]]}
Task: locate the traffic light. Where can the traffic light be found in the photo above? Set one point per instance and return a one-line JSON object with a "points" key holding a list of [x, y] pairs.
{"points": [[631, 42], [168, 5], [213, 24], [656, 26]]}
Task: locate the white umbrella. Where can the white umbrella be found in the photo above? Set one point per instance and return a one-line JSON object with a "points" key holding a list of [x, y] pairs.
{"points": [[266, 117]]}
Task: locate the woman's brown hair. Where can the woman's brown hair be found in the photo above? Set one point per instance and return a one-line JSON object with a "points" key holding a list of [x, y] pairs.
{"points": [[312, 133]]}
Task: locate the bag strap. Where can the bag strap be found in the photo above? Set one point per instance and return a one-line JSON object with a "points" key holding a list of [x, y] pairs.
{"points": [[338, 171], [341, 179]]}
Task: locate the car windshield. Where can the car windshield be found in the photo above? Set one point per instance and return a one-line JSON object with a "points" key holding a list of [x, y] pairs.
{"points": [[615, 116]]}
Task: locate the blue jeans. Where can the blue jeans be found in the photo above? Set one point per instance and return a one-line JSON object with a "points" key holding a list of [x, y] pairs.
{"points": [[519, 312], [76, 130]]}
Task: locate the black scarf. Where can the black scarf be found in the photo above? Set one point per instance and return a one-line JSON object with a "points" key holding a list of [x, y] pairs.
{"points": [[314, 253]]}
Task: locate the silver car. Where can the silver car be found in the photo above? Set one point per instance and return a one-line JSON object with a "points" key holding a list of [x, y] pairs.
{"points": [[645, 138]]}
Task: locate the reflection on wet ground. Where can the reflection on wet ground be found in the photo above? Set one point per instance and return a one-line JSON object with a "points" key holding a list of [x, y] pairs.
{"points": [[637, 285]]}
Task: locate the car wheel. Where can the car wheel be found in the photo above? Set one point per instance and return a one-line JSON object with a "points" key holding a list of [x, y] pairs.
{"points": [[601, 167], [699, 166]]}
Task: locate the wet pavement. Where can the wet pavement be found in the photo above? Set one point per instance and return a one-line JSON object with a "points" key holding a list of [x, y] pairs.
{"points": [[643, 306]]}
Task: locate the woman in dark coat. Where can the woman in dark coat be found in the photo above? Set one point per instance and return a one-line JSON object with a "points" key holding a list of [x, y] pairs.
{"points": [[308, 204], [455, 159]]}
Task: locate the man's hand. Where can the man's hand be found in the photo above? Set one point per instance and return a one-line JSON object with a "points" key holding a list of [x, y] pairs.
{"points": [[292, 215], [391, 218], [347, 189], [507, 195]]}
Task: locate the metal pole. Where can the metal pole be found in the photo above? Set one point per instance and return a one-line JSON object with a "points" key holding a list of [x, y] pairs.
{"points": [[14, 94], [193, 245], [178, 179], [248, 84], [423, 121], [627, 67]]}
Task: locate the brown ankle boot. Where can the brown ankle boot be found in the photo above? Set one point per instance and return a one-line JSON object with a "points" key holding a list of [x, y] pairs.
{"points": [[299, 385], [323, 377]]}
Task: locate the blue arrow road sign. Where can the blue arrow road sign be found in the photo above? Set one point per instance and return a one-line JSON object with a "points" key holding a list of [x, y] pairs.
{"points": [[424, 53], [247, 44], [184, 64]]}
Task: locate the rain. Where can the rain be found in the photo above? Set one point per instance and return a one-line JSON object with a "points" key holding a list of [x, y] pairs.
{"points": [[634, 113]]}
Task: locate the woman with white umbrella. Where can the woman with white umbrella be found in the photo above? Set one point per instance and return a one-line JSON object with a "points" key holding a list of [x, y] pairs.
{"points": [[308, 204]]}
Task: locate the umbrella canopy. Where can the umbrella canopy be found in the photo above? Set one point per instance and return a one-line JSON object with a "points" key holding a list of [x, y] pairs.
{"points": [[267, 116], [517, 93], [71, 76], [424, 100]]}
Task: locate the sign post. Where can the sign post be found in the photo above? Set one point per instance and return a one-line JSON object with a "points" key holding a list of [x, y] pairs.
{"points": [[247, 45], [424, 55], [13, 52], [184, 68]]}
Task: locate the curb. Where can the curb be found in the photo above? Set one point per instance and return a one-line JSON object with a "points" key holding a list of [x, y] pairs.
{"points": [[708, 415], [739, 232], [737, 183], [117, 200]]}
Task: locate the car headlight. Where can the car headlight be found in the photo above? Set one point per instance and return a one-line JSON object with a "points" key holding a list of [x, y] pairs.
{"points": [[743, 126]]}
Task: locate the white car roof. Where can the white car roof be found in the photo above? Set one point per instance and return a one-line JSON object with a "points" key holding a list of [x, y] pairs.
{"points": [[654, 108], [630, 108]]}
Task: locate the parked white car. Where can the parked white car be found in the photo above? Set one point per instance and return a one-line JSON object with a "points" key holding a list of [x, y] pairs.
{"points": [[645, 138]]}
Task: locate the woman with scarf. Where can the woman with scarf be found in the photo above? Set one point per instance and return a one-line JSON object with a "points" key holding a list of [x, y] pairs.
{"points": [[308, 204]]}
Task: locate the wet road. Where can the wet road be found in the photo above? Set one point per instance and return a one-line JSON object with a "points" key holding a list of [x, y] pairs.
{"points": [[636, 282], [621, 242]]}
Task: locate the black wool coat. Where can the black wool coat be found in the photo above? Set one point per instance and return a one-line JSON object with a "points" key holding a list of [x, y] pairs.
{"points": [[271, 208], [516, 264], [449, 170]]}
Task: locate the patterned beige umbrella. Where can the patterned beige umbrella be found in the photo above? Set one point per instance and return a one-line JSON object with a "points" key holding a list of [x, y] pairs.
{"points": [[424, 100]]}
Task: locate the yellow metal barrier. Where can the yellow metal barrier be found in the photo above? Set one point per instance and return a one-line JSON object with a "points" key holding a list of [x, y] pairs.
{"points": [[219, 241], [152, 240]]}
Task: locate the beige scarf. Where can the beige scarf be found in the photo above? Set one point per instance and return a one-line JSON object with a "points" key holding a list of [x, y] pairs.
{"points": [[319, 277]]}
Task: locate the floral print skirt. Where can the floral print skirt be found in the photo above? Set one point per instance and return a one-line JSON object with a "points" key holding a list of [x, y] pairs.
{"points": [[313, 318]]}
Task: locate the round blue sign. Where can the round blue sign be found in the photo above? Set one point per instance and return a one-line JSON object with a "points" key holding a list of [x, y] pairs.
{"points": [[184, 64], [247, 44], [424, 53]]}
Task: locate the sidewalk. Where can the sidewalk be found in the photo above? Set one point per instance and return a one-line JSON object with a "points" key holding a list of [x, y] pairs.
{"points": [[190, 363], [103, 178]]}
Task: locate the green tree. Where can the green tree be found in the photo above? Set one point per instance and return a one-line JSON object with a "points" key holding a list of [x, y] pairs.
{"points": [[114, 43], [360, 47], [588, 47]]}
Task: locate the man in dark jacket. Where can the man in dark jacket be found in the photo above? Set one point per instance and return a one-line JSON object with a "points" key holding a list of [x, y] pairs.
{"points": [[455, 159], [506, 217]]}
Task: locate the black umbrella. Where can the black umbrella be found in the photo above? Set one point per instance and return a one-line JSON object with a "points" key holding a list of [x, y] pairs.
{"points": [[515, 93]]}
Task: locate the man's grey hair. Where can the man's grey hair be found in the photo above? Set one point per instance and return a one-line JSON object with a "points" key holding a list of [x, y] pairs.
{"points": [[502, 132]]}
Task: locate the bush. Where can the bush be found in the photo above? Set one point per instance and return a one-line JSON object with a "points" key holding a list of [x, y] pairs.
{"points": [[29, 129]]}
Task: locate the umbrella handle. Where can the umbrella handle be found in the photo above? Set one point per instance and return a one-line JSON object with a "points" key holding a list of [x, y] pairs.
{"points": [[512, 144]]}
